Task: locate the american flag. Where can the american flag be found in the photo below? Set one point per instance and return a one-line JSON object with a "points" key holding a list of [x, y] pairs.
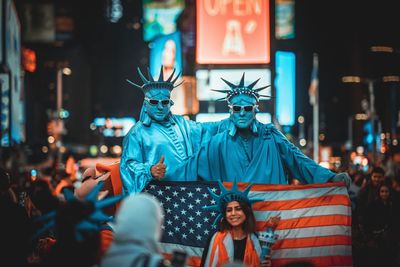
{"points": [[186, 225], [315, 221]]}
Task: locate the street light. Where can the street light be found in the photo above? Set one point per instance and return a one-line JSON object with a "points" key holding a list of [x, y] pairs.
{"points": [[372, 113], [60, 72], [384, 49], [371, 82]]}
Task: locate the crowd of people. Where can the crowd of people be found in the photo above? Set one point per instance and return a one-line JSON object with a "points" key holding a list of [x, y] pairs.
{"points": [[64, 222], [135, 235], [376, 216]]}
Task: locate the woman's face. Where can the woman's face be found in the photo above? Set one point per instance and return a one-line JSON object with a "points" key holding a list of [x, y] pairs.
{"points": [[234, 214], [384, 193]]}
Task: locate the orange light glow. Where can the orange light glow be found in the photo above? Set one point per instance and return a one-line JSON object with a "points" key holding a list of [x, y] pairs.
{"points": [[29, 59]]}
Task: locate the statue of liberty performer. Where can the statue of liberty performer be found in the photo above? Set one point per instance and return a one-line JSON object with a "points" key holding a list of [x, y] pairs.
{"points": [[249, 151], [158, 135]]}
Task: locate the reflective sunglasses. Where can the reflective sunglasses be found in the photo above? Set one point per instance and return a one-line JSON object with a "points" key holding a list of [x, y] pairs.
{"points": [[164, 102], [236, 108]]}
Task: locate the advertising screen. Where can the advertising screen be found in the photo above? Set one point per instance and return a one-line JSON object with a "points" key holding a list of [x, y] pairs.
{"points": [[114, 127], [13, 61], [1, 32], [211, 79], [160, 17], [166, 51], [284, 19], [39, 21], [233, 32], [214, 117], [5, 110], [184, 97], [285, 85]]}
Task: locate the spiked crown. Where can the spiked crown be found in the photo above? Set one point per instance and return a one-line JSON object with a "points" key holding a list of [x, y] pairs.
{"points": [[92, 222], [149, 83], [240, 89], [227, 196]]}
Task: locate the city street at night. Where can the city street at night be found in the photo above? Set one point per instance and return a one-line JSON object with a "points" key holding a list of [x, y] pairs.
{"points": [[166, 132]]}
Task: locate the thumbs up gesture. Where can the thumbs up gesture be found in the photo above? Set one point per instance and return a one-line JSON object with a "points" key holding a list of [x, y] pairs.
{"points": [[158, 170]]}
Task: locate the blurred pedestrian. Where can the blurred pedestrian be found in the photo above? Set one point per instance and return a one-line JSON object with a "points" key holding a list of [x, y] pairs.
{"points": [[14, 242], [137, 234], [381, 223], [369, 192]]}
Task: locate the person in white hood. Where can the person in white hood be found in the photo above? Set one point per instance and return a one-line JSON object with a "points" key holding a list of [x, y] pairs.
{"points": [[137, 233]]}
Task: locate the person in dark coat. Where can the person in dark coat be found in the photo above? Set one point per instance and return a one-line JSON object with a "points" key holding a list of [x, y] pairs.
{"points": [[380, 225]]}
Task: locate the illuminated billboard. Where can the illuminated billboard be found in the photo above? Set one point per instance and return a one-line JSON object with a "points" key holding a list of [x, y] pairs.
{"points": [[184, 97], [12, 127], [211, 79], [39, 21], [285, 85], [114, 127], [233, 32], [1, 32], [166, 51], [160, 17], [284, 19], [5, 120], [214, 117]]}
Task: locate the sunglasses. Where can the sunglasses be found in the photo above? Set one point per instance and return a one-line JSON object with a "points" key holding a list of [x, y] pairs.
{"points": [[154, 102], [240, 108]]}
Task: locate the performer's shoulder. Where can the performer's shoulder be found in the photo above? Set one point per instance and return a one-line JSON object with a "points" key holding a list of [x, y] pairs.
{"points": [[266, 129], [223, 125], [138, 125], [268, 125], [180, 119]]}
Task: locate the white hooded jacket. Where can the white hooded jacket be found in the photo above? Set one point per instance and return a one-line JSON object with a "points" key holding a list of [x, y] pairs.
{"points": [[137, 233]]}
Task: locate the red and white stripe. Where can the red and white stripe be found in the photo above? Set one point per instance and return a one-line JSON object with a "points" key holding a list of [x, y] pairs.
{"points": [[315, 222]]}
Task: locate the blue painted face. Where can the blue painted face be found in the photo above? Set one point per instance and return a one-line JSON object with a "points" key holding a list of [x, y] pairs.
{"points": [[158, 104], [243, 110]]}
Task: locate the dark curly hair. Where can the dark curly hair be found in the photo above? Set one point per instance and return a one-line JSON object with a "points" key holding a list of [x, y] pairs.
{"points": [[249, 225]]}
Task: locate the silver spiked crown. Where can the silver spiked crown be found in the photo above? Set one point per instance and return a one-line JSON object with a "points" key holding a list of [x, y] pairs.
{"points": [[239, 89], [150, 84]]}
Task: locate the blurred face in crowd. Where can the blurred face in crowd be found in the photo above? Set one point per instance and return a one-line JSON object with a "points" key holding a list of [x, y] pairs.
{"points": [[358, 179], [158, 104], [376, 178], [242, 109], [235, 214], [384, 193], [396, 186]]}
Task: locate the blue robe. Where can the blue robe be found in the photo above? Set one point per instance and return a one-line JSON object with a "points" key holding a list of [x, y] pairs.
{"points": [[265, 157], [147, 141]]}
